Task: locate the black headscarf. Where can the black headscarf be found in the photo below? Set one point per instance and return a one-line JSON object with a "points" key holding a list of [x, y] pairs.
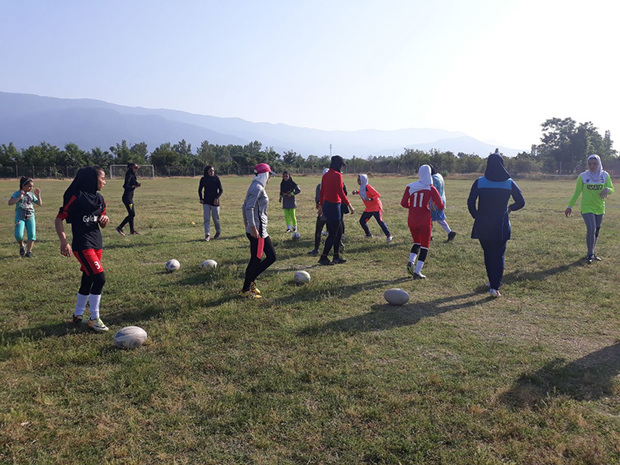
{"points": [[495, 170], [287, 186], [84, 184], [337, 163]]}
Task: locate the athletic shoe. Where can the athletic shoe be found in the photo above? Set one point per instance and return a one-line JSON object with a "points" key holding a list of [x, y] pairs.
{"points": [[22, 250], [494, 293], [207, 238], [288, 230], [97, 325], [29, 254], [253, 288], [418, 276], [324, 261], [451, 236], [389, 238], [216, 236], [589, 259], [135, 233], [338, 261], [250, 295], [313, 252], [120, 231], [369, 236], [596, 258], [76, 319], [410, 268]]}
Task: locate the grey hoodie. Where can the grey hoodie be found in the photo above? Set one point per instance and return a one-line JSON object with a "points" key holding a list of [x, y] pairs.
{"points": [[255, 206]]}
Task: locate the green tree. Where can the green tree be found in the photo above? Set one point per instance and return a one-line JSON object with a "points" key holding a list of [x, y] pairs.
{"points": [[101, 158], [139, 153], [205, 153], [121, 152], [8, 154]]}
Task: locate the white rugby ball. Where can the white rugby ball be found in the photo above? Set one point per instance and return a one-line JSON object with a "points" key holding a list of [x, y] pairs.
{"points": [[302, 277], [396, 296], [208, 265], [296, 236], [172, 265], [130, 337]]}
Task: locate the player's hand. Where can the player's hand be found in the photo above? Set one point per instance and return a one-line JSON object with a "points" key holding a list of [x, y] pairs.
{"points": [[103, 221], [138, 184], [254, 232], [65, 249], [604, 193], [568, 211], [352, 209], [37, 192], [201, 201]]}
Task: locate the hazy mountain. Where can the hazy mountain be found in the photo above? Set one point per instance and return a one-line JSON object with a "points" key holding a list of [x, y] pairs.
{"points": [[29, 120]]}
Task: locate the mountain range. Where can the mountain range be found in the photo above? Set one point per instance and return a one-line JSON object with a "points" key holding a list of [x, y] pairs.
{"points": [[27, 119]]}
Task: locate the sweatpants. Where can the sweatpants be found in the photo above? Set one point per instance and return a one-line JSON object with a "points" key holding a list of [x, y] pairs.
{"points": [[494, 252], [593, 226]]}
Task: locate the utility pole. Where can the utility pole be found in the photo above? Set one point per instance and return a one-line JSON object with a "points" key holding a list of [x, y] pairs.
{"points": [[330, 150]]}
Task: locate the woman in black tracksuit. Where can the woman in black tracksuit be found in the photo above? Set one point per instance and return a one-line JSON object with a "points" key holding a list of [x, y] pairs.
{"points": [[131, 182]]}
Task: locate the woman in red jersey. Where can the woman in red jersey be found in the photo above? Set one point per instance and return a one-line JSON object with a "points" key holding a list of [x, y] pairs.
{"points": [[84, 207], [416, 198]]}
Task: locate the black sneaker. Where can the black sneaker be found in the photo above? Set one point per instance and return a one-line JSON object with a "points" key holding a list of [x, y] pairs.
{"points": [[596, 258], [217, 234], [589, 259], [77, 319], [451, 236], [29, 254], [324, 261], [313, 252], [338, 260], [22, 250], [120, 231]]}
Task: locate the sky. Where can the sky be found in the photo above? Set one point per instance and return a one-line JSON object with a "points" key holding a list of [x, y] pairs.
{"points": [[493, 69]]}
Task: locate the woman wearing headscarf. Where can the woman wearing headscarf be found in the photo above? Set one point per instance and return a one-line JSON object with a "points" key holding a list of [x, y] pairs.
{"points": [[594, 185], [130, 185], [288, 190], [437, 214], [416, 199], [255, 220], [320, 219], [84, 207], [374, 207], [331, 197], [488, 205]]}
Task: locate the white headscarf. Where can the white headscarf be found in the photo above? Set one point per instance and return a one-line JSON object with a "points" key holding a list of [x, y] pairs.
{"points": [[262, 178], [597, 174], [424, 182], [363, 184]]}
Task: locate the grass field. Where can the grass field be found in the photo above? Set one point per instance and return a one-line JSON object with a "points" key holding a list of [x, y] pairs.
{"points": [[325, 373]]}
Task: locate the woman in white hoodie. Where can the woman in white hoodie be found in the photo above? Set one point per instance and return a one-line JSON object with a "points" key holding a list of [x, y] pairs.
{"points": [[255, 220]]}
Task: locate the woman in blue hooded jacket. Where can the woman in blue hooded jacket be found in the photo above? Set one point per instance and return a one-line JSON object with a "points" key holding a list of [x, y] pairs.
{"points": [[491, 216]]}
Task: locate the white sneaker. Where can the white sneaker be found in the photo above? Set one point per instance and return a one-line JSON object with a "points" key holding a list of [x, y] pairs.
{"points": [[389, 239], [494, 293], [97, 325]]}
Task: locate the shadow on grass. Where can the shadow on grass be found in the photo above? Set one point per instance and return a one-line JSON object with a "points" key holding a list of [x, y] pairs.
{"points": [[588, 378], [386, 316], [539, 275]]}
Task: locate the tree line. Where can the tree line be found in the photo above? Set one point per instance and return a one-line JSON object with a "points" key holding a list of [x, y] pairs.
{"points": [[564, 146]]}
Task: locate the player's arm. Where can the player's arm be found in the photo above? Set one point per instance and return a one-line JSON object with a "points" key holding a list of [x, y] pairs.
{"points": [[436, 198], [405, 202], [575, 196], [65, 247]]}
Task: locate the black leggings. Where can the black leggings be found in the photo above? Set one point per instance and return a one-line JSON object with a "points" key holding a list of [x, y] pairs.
{"points": [[256, 266], [92, 284], [320, 224], [131, 213], [364, 222]]}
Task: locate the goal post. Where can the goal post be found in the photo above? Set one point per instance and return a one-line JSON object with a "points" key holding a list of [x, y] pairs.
{"points": [[145, 171]]}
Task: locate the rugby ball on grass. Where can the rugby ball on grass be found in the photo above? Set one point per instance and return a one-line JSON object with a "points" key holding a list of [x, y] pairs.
{"points": [[130, 337], [296, 236], [396, 296], [208, 265], [302, 277], [172, 265]]}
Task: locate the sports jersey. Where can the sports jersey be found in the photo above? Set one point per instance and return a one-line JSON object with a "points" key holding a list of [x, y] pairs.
{"points": [[24, 208], [83, 211], [332, 188], [417, 203], [589, 186]]}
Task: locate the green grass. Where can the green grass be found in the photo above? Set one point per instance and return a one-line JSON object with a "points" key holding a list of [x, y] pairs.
{"points": [[325, 373]]}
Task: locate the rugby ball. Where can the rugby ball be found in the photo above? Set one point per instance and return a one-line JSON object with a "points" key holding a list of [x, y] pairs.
{"points": [[172, 265], [208, 265], [296, 236], [130, 337], [302, 277], [396, 296]]}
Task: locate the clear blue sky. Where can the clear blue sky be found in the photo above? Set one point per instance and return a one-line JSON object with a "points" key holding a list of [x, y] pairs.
{"points": [[494, 69]]}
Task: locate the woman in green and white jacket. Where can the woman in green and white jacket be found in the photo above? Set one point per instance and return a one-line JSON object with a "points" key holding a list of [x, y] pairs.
{"points": [[594, 186]]}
